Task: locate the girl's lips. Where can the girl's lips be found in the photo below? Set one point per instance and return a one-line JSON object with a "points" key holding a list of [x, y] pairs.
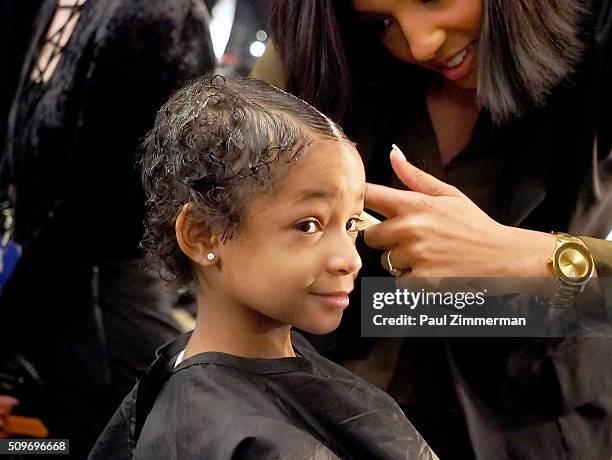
{"points": [[335, 300], [463, 69]]}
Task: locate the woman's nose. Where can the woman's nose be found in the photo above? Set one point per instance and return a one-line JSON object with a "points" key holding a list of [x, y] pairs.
{"points": [[424, 39]]}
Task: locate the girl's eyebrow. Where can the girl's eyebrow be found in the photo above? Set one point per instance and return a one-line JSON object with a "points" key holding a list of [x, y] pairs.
{"points": [[322, 193], [316, 194]]}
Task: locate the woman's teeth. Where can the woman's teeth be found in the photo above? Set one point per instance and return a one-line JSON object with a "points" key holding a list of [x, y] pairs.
{"points": [[458, 59]]}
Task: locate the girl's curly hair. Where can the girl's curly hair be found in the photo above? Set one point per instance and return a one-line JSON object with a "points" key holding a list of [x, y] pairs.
{"points": [[213, 145]]}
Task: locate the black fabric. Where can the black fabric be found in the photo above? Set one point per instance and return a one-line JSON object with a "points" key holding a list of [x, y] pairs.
{"points": [[15, 33], [557, 175], [81, 305], [219, 406]]}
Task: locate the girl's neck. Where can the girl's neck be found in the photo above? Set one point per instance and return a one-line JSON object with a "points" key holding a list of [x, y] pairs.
{"points": [[239, 331]]}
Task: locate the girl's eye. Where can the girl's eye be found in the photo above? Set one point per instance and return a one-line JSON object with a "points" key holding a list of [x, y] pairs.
{"points": [[352, 225], [308, 226]]}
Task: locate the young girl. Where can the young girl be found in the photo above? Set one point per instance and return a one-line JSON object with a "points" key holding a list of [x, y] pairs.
{"points": [[254, 199]]}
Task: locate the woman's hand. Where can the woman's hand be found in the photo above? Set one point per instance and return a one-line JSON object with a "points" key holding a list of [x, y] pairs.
{"points": [[434, 230]]}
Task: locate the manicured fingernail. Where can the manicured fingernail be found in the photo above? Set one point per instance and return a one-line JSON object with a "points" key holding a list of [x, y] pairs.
{"points": [[397, 149]]}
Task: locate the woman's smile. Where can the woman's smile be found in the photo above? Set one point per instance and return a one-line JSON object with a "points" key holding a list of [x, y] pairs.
{"points": [[461, 65]]}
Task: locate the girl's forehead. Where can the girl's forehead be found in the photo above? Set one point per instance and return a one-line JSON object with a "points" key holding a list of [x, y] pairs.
{"points": [[327, 165], [323, 180]]}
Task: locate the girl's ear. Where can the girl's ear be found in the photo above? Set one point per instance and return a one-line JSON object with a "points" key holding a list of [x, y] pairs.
{"points": [[195, 238]]}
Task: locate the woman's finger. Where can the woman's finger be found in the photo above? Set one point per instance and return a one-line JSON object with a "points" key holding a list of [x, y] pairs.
{"points": [[418, 180], [381, 199], [396, 258], [388, 233]]}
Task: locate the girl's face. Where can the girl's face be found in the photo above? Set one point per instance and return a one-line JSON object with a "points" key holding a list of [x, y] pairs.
{"points": [[440, 35], [294, 261]]}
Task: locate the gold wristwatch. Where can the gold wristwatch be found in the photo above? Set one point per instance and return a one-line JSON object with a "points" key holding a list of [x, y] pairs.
{"points": [[572, 266]]}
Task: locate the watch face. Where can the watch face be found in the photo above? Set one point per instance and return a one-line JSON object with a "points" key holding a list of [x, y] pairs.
{"points": [[573, 263]]}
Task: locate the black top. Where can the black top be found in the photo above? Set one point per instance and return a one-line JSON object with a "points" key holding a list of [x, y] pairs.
{"points": [[72, 143], [219, 406]]}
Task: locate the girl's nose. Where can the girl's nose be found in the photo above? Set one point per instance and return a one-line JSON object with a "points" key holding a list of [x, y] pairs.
{"points": [[345, 258]]}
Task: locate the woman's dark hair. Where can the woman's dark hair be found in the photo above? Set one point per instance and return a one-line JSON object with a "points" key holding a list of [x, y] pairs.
{"points": [[526, 48], [214, 145]]}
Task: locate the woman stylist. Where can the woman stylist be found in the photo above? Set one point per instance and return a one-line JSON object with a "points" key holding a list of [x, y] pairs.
{"points": [[505, 108]]}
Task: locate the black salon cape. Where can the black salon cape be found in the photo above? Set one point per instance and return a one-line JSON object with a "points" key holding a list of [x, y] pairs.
{"points": [[220, 406]]}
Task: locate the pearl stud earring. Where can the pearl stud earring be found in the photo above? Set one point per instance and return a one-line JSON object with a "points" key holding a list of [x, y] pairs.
{"points": [[210, 256]]}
